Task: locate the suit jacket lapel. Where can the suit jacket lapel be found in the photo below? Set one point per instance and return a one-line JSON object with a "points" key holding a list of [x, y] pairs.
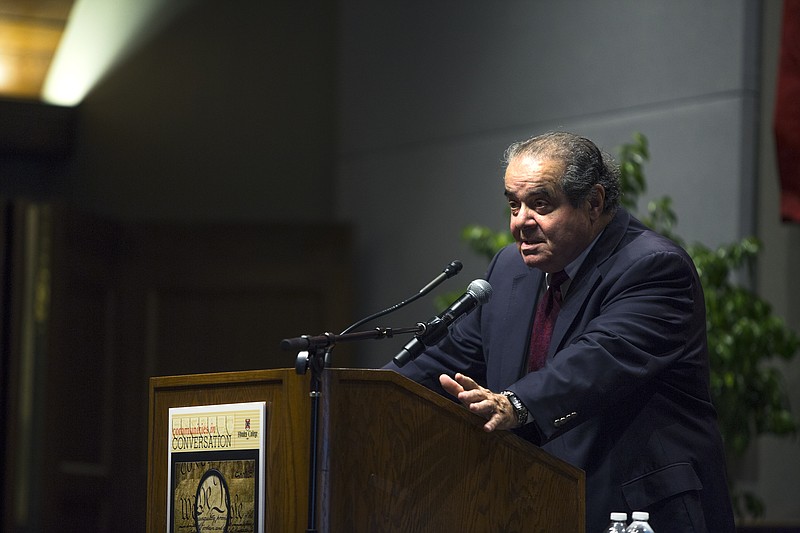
{"points": [[513, 355], [587, 278]]}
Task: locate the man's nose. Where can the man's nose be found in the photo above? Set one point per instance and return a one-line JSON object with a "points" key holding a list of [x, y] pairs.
{"points": [[524, 216]]}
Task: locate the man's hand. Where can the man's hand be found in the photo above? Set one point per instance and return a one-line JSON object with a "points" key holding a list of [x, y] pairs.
{"points": [[493, 407]]}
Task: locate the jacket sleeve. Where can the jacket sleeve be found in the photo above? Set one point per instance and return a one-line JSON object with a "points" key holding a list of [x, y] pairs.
{"points": [[461, 350]]}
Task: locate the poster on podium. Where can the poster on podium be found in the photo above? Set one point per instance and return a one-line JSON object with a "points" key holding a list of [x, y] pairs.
{"points": [[216, 468]]}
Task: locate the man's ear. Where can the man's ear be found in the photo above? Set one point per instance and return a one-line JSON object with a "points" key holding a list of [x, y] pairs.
{"points": [[597, 201]]}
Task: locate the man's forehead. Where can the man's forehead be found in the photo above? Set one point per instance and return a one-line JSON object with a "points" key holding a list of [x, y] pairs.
{"points": [[530, 164], [533, 170]]}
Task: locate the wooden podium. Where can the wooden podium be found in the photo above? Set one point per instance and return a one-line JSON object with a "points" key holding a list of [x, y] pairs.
{"points": [[393, 456]]}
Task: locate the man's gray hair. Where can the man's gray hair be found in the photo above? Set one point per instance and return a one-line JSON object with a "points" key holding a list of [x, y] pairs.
{"points": [[584, 165]]}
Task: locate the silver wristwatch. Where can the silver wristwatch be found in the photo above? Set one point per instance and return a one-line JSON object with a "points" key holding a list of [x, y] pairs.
{"points": [[519, 408]]}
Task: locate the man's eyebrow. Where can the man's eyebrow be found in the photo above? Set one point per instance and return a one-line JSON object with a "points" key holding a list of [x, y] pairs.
{"points": [[545, 191]]}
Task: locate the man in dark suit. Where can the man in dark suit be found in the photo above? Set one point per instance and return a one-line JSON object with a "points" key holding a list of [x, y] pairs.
{"points": [[620, 387]]}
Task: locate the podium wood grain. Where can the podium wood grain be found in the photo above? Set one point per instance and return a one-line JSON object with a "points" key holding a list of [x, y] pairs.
{"points": [[398, 457], [393, 456]]}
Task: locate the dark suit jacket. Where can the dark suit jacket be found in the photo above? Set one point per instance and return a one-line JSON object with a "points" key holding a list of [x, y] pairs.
{"points": [[624, 394]]}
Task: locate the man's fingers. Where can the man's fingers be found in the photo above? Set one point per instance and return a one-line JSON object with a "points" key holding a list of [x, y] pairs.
{"points": [[493, 407], [485, 408], [449, 385], [467, 382], [472, 396], [491, 424]]}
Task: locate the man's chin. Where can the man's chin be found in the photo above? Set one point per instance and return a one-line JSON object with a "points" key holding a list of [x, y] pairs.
{"points": [[532, 259]]}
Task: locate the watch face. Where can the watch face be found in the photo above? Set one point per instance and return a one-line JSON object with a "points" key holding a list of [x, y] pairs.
{"points": [[519, 409], [213, 503]]}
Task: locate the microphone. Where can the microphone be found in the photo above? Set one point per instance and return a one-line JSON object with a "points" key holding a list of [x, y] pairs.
{"points": [[327, 340], [478, 293], [449, 271]]}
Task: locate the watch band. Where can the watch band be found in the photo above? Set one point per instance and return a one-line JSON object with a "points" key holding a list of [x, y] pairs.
{"points": [[519, 408]]}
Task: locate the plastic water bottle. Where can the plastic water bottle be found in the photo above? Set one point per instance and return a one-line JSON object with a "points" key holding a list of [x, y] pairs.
{"points": [[639, 523], [617, 524]]}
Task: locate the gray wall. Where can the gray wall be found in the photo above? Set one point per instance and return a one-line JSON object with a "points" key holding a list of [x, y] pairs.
{"points": [[227, 114], [773, 467], [431, 93]]}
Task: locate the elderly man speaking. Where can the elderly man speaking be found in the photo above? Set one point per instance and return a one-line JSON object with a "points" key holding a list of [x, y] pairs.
{"points": [[593, 345]]}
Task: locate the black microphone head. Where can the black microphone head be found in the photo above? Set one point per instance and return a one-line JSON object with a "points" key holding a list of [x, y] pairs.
{"points": [[481, 290], [453, 268]]}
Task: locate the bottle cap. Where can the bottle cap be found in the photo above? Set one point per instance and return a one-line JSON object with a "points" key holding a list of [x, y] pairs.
{"points": [[619, 517], [641, 515]]}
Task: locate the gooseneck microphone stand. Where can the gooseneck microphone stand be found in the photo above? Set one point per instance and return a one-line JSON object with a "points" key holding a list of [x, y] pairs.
{"points": [[313, 357], [314, 354]]}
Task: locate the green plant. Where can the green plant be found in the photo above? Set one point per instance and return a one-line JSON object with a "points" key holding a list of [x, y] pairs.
{"points": [[745, 339]]}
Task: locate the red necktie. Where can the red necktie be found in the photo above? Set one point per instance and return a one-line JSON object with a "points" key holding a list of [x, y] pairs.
{"points": [[545, 320]]}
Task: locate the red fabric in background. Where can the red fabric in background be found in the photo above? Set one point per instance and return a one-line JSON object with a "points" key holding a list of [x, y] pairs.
{"points": [[786, 120]]}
